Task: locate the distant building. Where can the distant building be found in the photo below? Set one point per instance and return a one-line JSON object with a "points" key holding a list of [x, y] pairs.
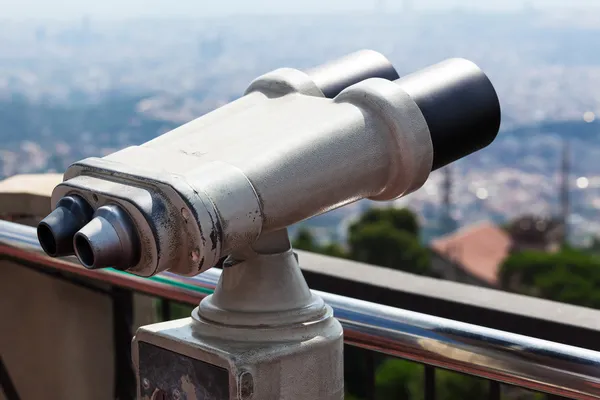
{"points": [[536, 233], [474, 254]]}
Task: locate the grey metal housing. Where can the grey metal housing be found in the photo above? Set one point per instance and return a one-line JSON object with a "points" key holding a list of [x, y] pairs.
{"points": [[280, 154]]}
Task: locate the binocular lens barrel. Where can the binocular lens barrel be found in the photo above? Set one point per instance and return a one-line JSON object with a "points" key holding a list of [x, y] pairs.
{"points": [[337, 75], [460, 106], [455, 96]]}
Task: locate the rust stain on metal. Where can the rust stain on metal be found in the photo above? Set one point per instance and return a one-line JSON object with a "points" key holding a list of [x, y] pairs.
{"points": [[213, 238]]}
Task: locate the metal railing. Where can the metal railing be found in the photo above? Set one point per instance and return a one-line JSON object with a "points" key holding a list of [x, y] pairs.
{"points": [[499, 356]]}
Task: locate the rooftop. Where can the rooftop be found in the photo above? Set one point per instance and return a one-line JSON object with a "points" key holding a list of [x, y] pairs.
{"points": [[478, 248]]}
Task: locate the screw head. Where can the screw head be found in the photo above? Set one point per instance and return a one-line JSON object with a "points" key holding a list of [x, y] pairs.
{"points": [[146, 383], [246, 385]]}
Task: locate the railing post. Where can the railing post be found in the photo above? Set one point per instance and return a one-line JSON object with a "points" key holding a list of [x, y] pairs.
{"points": [[122, 308], [495, 391], [370, 381], [165, 310], [429, 382]]}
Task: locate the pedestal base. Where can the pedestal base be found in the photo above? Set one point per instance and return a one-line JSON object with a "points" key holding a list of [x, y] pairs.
{"points": [[302, 362]]}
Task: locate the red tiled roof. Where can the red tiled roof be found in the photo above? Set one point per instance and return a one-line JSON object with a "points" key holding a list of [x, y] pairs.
{"points": [[478, 248]]}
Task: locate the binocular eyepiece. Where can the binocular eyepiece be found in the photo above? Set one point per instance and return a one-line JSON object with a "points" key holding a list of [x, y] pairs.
{"points": [[297, 144]]}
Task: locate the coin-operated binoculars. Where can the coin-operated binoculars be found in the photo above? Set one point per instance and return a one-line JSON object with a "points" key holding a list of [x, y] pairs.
{"points": [[229, 183]]}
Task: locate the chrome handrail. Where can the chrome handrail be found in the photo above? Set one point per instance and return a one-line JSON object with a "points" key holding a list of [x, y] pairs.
{"points": [[501, 356]]}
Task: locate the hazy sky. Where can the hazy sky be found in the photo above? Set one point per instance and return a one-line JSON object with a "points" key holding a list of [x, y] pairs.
{"points": [[68, 9]]}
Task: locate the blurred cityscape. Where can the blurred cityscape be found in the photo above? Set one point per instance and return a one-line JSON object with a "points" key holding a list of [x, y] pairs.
{"points": [[520, 215], [84, 88]]}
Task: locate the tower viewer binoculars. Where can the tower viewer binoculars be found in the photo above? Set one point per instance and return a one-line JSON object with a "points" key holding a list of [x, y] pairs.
{"points": [[295, 145]]}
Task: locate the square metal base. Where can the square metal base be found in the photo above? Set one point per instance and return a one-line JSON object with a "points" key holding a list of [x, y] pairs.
{"points": [[174, 361]]}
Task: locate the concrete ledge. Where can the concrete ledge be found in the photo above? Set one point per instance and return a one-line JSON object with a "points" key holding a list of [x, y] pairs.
{"points": [[530, 316], [387, 278], [27, 195]]}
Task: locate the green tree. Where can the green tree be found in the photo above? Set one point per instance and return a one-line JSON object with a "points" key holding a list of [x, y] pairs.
{"points": [[569, 276], [401, 219], [389, 237], [594, 247], [305, 240], [381, 243], [333, 250], [399, 379]]}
